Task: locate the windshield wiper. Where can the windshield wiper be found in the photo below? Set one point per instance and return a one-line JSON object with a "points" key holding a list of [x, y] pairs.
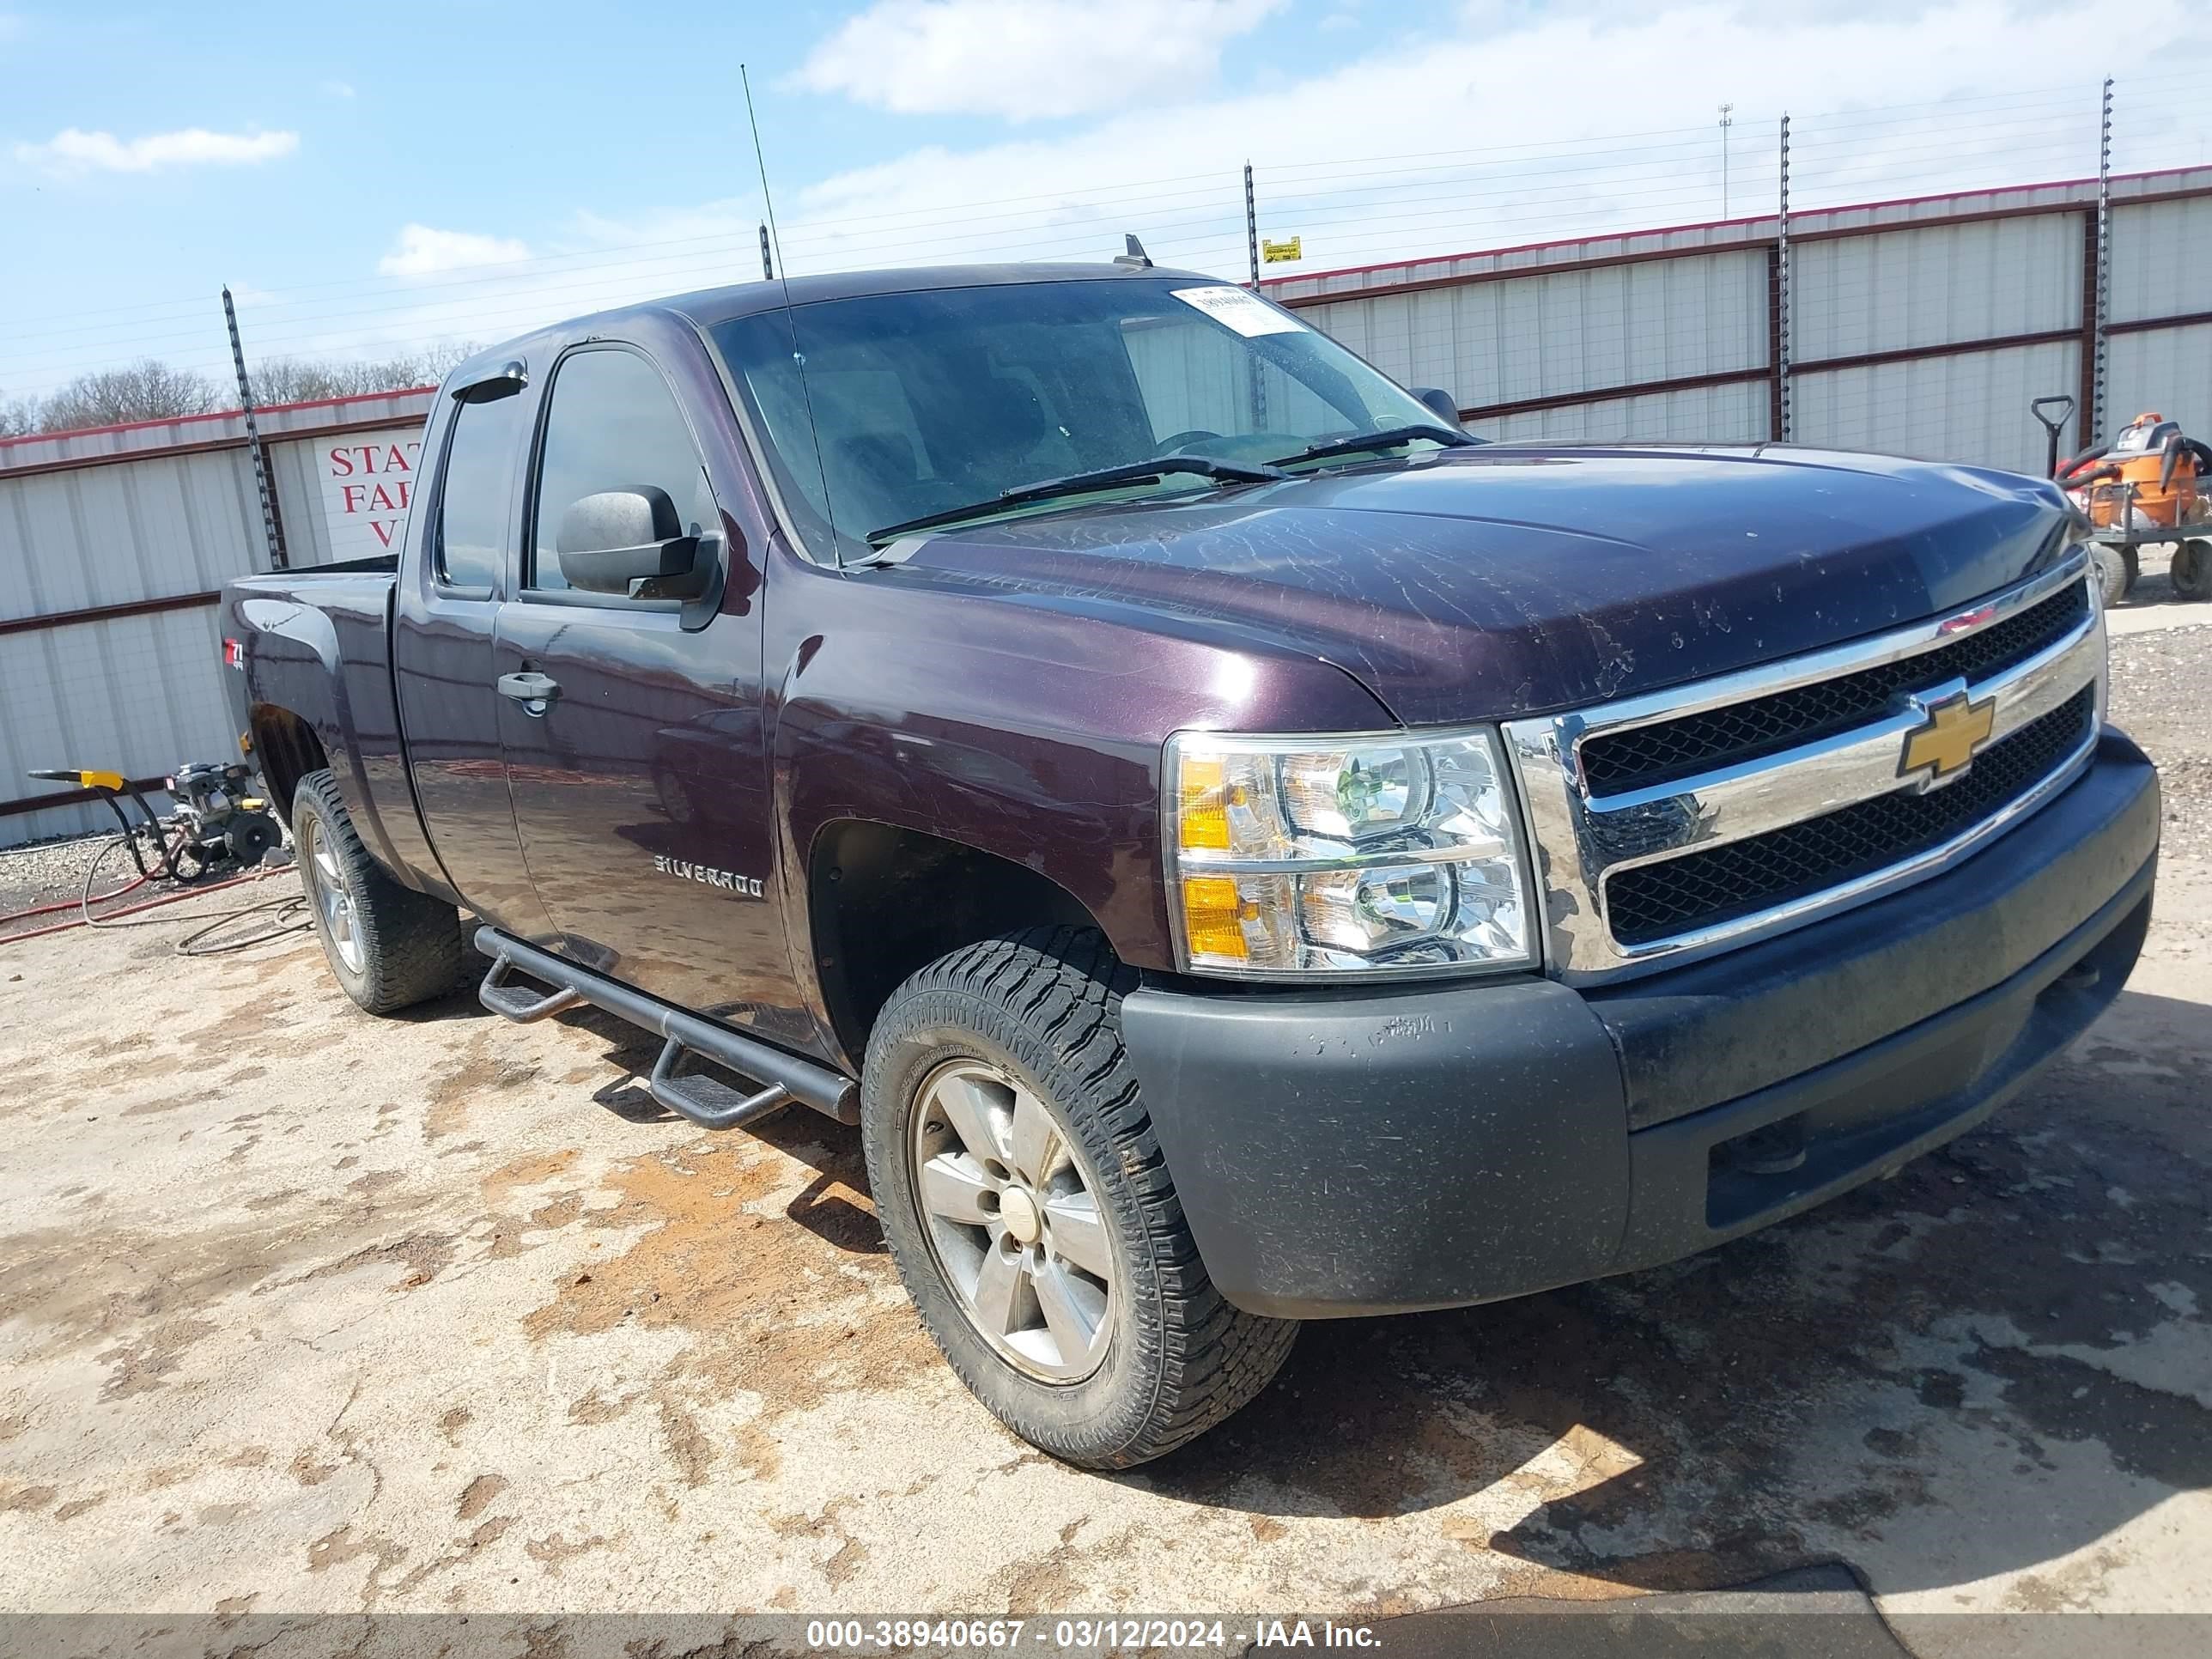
{"points": [[1390, 438], [1075, 484]]}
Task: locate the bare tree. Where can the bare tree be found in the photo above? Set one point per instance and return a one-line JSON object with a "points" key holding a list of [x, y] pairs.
{"points": [[305, 380], [149, 390]]}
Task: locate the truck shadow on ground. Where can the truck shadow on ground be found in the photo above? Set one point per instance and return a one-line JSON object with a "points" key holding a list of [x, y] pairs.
{"points": [[832, 1149], [1972, 1369]]}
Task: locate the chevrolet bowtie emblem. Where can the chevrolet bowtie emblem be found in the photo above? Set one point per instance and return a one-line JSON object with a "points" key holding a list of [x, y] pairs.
{"points": [[1955, 727]]}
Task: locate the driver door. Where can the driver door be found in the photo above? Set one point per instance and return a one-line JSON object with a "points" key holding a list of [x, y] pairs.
{"points": [[639, 777]]}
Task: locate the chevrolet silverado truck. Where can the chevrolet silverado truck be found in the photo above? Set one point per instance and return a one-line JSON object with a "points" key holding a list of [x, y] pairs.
{"points": [[1241, 850]]}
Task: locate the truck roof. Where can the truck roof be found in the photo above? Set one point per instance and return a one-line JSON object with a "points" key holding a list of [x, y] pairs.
{"points": [[704, 307], [717, 304]]}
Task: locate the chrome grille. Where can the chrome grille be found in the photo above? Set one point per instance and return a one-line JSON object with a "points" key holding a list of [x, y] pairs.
{"points": [[1672, 750], [1673, 825], [1739, 877]]}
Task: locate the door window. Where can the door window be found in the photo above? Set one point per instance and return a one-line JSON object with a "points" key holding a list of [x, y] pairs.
{"points": [[473, 501], [613, 425]]}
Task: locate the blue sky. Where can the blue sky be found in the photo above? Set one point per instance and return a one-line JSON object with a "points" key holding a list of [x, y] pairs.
{"points": [[373, 176]]}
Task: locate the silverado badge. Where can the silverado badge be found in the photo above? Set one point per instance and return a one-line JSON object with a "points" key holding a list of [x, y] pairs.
{"points": [[1947, 739], [729, 880]]}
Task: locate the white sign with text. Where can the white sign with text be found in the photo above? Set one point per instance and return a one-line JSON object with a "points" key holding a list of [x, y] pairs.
{"points": [[368, 479]]}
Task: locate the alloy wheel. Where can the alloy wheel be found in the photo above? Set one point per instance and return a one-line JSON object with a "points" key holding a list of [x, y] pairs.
{"points": [[332, 897], [1011, 1213]]}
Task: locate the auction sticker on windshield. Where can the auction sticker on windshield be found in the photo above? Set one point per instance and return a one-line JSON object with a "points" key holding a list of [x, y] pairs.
{"points": [[1240, 309]]}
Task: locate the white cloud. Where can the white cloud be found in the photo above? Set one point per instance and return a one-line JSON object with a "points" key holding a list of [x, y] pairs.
{"points": [[1447, 142], [72, 151], [422, 252], [338, 89], [1026, 58], [1398, 147]]}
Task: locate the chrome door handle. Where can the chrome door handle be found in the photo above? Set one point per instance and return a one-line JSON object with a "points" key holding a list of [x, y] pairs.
{"points": [[535, 692]]}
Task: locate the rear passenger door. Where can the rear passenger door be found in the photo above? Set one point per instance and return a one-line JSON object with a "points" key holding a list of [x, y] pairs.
{"points": [[448, 602], [639, 784]]}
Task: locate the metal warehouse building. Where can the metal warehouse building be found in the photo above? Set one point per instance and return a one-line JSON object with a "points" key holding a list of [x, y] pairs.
{"points": [[1923, 327]]}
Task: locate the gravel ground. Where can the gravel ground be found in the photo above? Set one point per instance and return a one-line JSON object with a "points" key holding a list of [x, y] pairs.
{"points": [[55, 870], [2161, 695], [53, 873]]}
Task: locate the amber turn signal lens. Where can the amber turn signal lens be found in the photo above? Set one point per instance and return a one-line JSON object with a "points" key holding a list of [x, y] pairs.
{"points": [[1212, 913], [1205, 815]]}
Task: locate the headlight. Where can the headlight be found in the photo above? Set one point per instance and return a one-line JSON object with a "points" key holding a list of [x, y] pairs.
{"points": [[1333, 857]]}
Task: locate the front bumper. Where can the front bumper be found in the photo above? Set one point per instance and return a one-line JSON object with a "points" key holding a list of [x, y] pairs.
{"points": [[1352, 1151]]}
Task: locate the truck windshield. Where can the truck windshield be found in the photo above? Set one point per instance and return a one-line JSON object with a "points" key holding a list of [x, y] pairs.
{"points": [[926, 402]]}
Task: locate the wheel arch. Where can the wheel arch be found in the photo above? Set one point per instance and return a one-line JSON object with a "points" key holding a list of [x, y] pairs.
{"points": [[884, 900], [286, 750]]}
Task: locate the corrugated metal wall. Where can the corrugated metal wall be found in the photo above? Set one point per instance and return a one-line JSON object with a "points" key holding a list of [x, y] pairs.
{"points": [[114, 534], [180, 517], [138, 694], [1720, 414], [1901, 289], [1970, 406], [2161, 267], [1526, 337], [1922, 327]]}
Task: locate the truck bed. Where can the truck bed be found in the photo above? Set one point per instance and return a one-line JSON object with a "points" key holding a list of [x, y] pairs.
{"points": [[317, 643]]}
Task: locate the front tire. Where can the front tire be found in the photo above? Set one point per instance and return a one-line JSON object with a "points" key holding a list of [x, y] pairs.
{"points": [[388, 947], [1030, 1211]]}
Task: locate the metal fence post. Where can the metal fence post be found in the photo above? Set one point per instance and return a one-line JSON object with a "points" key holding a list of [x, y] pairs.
{"points": [[768, 265], [273, 531], [1252, 228], [1786, 420], [2093, 424]]}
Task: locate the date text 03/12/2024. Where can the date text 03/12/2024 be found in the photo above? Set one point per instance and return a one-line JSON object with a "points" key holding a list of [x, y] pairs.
{"points": [[1081, 1635]]}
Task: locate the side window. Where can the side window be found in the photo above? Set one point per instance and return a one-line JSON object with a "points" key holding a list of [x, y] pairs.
{"points": [[613, 424], [472, 501]]}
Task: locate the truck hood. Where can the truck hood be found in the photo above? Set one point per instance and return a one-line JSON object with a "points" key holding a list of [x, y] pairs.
{"points": [[1483, 584]]}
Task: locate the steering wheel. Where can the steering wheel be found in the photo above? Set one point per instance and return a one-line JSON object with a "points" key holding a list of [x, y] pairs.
{"points": [[1180, 441]]}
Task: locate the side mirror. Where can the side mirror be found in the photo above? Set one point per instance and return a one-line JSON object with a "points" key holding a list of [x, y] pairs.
{"points": [[1442, 404], [619, 537]]}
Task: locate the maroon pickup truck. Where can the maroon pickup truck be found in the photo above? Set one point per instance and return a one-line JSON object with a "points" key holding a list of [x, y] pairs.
{"points": [[1241, 850]]}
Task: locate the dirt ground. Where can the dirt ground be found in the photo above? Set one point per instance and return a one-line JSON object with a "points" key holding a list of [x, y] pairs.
{"points": [[301, 1310]]}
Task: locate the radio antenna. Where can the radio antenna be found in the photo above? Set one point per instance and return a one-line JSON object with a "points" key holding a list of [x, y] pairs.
{"points": [[790, 318]]}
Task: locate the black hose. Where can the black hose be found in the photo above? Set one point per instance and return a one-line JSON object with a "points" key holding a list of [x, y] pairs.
{"points": [[279, 908], [279, 928]]}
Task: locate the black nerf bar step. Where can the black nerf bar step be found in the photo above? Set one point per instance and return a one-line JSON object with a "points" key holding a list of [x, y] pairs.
{"points": [[783, 1077], [709, 1101], [520, 1003]]}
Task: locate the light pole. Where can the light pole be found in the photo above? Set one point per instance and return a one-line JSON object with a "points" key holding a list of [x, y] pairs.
{"points": [[1726, 121]]}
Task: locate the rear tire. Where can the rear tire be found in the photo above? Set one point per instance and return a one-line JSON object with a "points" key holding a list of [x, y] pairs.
{"points": [[2192, 570], [388, 947], [1025, 1031]]}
